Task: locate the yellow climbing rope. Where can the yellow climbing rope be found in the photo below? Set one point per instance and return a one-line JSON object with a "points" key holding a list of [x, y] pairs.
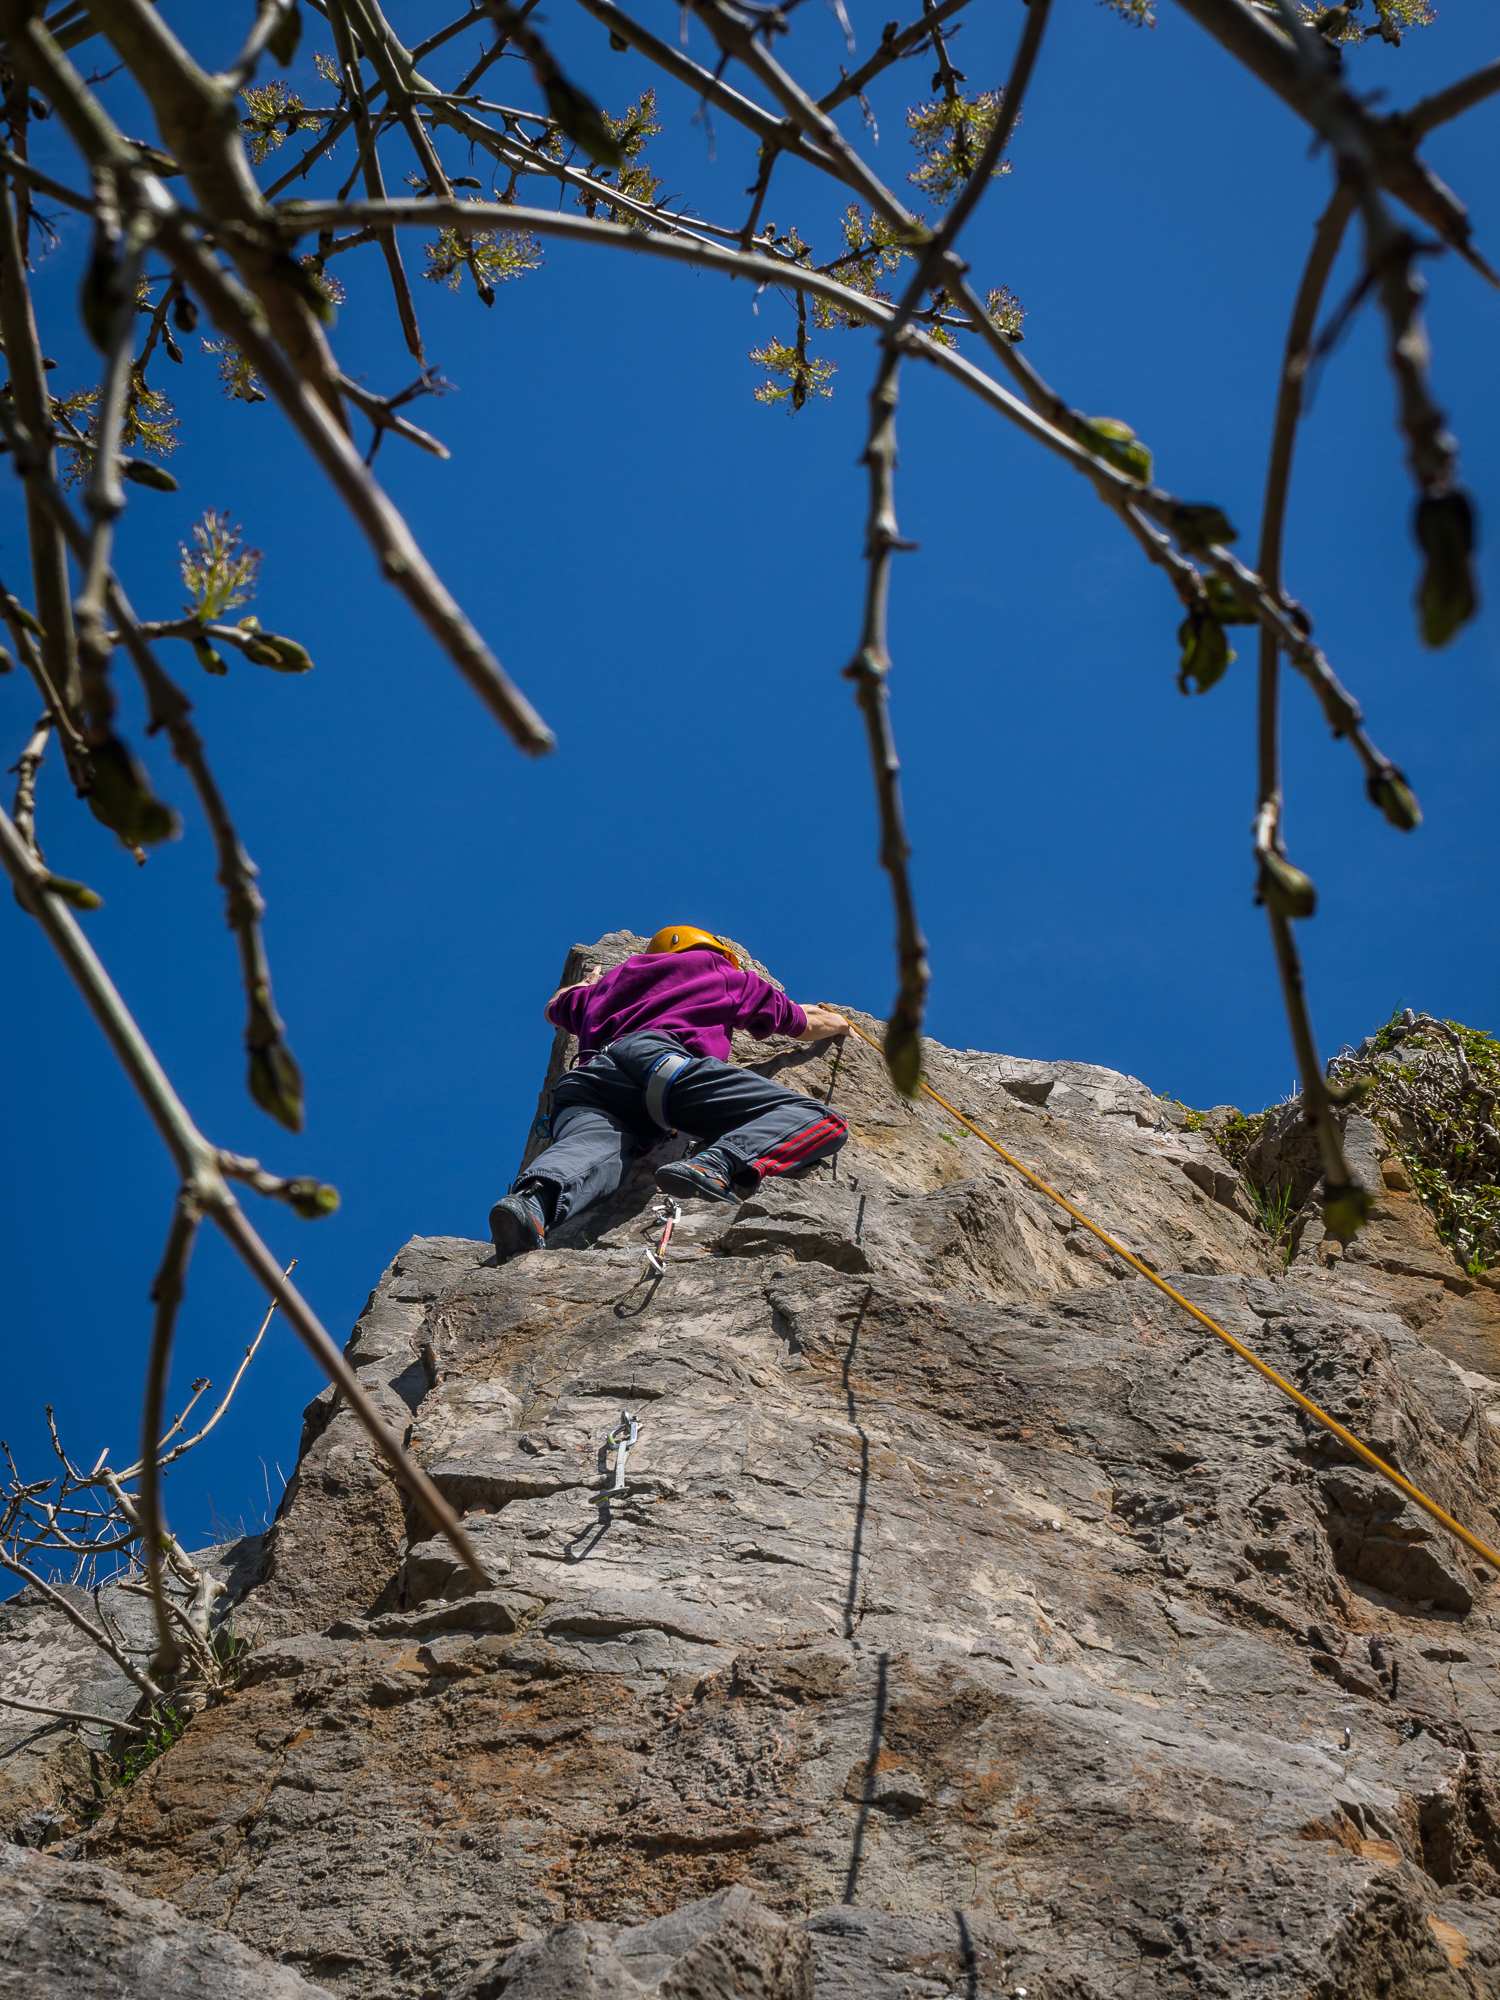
{"points": [[1322, 1417]]}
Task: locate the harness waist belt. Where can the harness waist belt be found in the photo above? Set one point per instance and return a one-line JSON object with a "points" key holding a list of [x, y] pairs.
{"points": [[662, 1074]]}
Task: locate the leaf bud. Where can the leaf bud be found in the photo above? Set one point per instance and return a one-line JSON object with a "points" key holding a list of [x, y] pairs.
{"points": [[903, 1054], [1346, 1210], [7, 664], [76, 893], [583, 122], [210, 661], [1396, 799], [1118, 445], [185, 314], [1206, 653], [1446, 597], [174, 352], [284, 655], [24, 618], [312, 1199], [464, 181], [1285, 889], [275, 1083], [1199, 524], [141, 472], [121, 798]]}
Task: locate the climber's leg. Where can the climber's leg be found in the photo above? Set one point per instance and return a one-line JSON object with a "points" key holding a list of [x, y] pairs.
{"points": [[753, 1127], [592, 1150], [595, 1140]]}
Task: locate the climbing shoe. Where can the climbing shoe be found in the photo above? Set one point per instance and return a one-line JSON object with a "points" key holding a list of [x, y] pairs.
{"points": [[518, 1222], [708, 1176]]}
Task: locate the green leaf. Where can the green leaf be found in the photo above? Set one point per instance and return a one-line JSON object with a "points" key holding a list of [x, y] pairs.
{"points": [[141, 472], [1206, 653], [583, 121], [76, 893], [1446, 598], [276, 1083], [284, 37], [1118, 445], [1198, 524], [903, 1054], [1396, 799], [1285, 889], [24, 618], [121, 797], [210, 661], [312, 1199], [1346, 1210]]}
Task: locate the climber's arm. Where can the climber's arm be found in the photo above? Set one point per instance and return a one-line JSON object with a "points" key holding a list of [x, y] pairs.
{"points": [[822, 1022], [594, 974]]}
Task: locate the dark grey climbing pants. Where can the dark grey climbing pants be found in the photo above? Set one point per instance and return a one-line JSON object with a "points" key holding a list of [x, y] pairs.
{"points": [[600, 1125]]}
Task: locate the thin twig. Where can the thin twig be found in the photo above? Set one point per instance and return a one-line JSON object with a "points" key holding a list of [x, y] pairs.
{"points": [[26, 766], [167, 1292], [49, 563], [102, 1640], [893, 47], [101, 1722]]}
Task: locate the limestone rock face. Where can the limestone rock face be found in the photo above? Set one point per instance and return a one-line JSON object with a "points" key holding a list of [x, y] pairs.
{"points": [[969, 1620], [67, 1929]]}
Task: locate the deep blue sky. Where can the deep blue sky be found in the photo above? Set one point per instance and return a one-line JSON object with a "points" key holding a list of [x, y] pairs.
{"points": [[673, 573]]}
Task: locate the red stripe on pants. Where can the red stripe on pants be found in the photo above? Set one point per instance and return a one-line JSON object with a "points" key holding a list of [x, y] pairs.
{"points": [[801, 1146]]}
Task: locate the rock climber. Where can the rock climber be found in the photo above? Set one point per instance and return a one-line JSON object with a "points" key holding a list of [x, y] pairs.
{"points": [[653, 1046]]}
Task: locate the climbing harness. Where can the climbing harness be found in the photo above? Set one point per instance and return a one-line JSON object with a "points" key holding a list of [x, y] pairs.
{"points": [[1322, 1417], [662, 1074], [621, 1438], [670, 1216]]}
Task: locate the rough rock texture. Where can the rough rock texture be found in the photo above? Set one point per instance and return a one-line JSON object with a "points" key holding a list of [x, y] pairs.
{"points": [[67, 1929], [968, 1609]]}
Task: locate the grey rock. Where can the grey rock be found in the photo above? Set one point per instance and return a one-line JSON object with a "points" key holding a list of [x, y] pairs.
{"points": [[69, 1931], [724, 1947], [1385, 1540], [967, 1606]]}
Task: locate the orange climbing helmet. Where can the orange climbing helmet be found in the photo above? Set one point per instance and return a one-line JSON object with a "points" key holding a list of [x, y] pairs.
{"points": [[683, 937]]}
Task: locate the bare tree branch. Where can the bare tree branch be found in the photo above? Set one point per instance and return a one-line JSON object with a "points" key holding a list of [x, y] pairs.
{"points": [[893, 47]]}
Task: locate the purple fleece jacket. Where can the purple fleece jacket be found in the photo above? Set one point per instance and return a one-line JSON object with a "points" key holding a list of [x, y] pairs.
{"points": [[695, 995]]}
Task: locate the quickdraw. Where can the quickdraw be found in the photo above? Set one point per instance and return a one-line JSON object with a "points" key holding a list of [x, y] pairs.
{"points": [[670, 1216], [621, 1438]]}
